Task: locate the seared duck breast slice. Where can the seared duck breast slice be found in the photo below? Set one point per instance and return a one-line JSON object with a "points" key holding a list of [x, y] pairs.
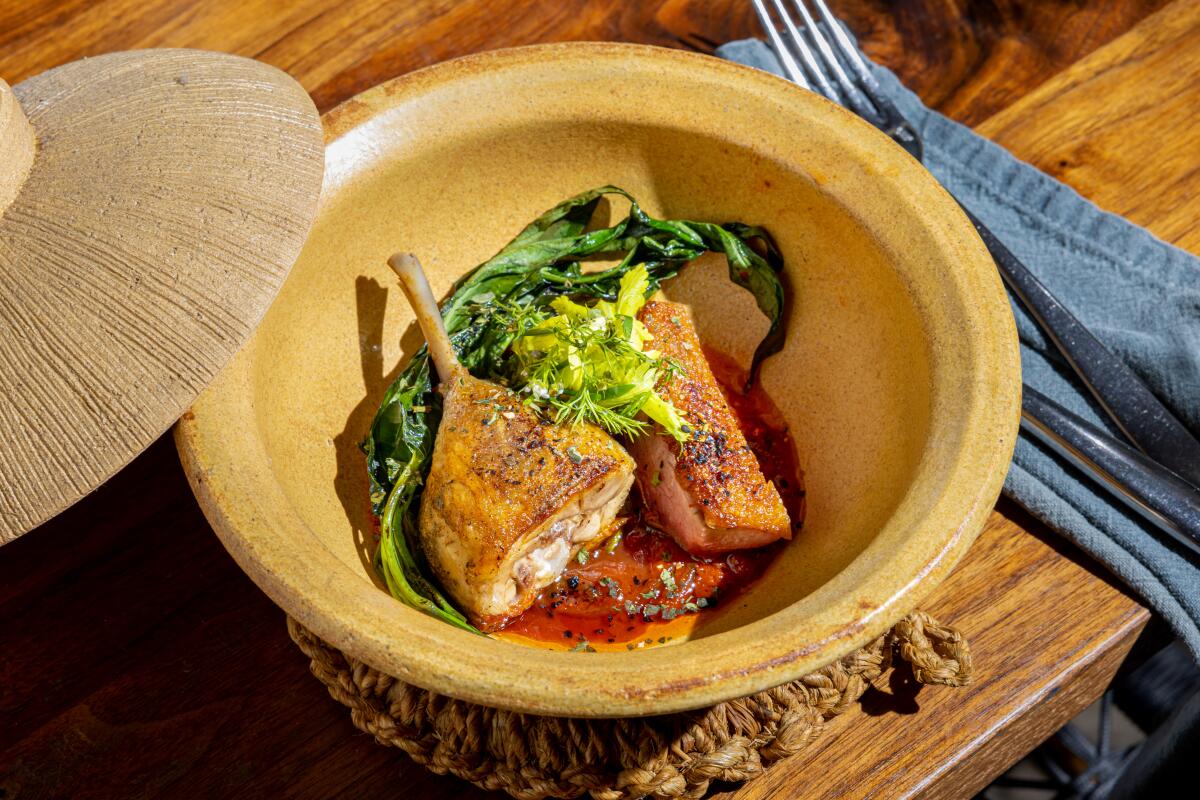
{"points": [[707, 492]]}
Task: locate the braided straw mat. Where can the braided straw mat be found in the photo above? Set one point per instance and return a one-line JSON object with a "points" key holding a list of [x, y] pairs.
{"points": [[676, 755]]}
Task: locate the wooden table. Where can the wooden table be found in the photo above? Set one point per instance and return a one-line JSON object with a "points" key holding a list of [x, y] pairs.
{"points": [[136, 660]]}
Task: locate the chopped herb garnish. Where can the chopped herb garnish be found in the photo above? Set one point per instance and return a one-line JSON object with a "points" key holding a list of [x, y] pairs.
{"points": [[583, 555], [583, 647], [588, 363], [573, 454], [668, 578]]}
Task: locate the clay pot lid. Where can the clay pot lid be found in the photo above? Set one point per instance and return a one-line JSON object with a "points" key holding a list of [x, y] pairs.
{"points": [[151, 204]]}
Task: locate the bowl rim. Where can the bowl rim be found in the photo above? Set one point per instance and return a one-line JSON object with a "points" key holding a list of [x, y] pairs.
{"points": [[226, 470]]}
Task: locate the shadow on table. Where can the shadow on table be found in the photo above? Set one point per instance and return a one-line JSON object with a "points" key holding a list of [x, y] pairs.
{"points": [[900, 697]]}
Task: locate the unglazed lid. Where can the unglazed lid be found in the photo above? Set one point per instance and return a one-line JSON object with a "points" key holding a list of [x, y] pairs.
{"points": [[151, 204]]}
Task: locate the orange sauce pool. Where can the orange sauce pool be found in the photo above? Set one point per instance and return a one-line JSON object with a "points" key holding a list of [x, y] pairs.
{"points": [[646, 590]]}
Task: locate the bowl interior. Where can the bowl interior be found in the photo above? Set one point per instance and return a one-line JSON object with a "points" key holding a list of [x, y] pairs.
{"points": [[852, 381], [898, 345]]}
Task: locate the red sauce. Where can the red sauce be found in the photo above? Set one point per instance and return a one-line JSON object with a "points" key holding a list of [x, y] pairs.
{"points": [[644, 589], [766, 432]]}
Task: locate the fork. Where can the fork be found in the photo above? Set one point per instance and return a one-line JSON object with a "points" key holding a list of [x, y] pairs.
{"points": [[1162, 487]]}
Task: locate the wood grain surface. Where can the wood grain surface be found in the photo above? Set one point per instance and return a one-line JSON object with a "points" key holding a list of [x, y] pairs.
{"points": [[137, 661], [969, 58], [18, 143], [1139, 156], [171, 193]]}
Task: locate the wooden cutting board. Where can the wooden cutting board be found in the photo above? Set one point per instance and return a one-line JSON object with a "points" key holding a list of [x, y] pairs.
{"points": [[140, 660]]}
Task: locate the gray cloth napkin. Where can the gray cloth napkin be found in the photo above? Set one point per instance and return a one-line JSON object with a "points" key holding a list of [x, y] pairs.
{"points": [[1139, 295]]}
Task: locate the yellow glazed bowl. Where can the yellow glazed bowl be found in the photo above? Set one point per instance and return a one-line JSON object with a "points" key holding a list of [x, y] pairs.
{"points": [[899, 381]]}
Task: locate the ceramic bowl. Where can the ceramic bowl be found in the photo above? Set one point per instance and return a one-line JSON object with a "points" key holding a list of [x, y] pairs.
{"points": [[899, 381]]}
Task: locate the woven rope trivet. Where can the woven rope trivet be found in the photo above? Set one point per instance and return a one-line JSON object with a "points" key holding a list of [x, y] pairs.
{"points": [[677, 755]]}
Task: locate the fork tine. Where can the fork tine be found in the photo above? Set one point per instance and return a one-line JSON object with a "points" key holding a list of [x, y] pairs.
{"points": [[858, 101], [862, 92], [885, 116], [806, 54], [868, 83], [781, 51]]}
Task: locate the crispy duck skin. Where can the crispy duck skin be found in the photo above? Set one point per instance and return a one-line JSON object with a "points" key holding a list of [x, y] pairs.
{"points": [[510, 498], [708, 492]]}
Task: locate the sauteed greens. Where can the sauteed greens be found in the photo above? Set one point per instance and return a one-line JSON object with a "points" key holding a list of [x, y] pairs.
{"points": [[535, 279]]}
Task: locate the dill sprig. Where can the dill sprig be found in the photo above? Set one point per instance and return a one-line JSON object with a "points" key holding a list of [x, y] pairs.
{"points": [[589, 363]]}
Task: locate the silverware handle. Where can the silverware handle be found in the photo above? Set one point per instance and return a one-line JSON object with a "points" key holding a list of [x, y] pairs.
{"points": [[1156, 493], [1130, 403]]}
